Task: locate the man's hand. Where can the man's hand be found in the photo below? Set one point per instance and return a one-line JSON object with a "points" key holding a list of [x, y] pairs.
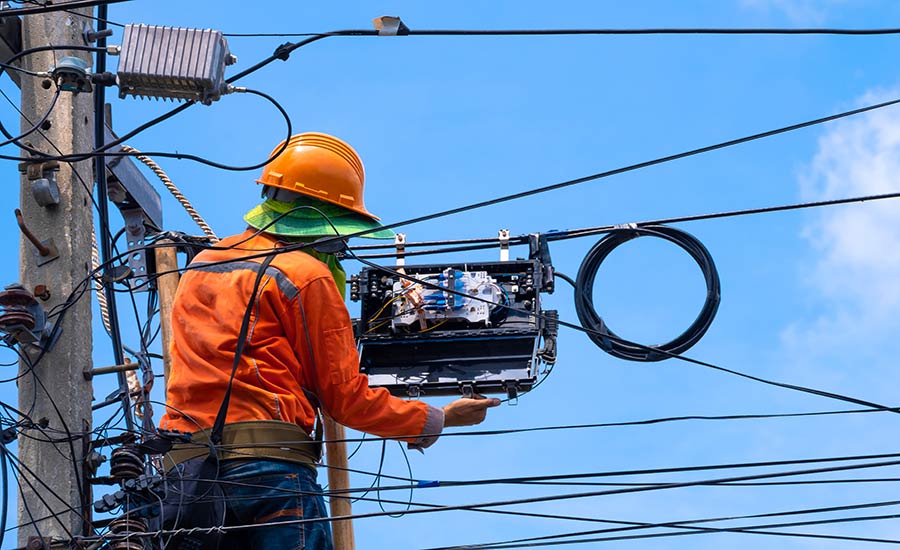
{"points": [[468, 411]]}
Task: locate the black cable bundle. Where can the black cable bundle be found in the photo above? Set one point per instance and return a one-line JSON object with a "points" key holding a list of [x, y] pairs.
{"points": [[600, 333]]}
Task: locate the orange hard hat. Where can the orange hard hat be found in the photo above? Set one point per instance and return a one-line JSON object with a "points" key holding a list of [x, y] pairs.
{"points": [[322, 167]]}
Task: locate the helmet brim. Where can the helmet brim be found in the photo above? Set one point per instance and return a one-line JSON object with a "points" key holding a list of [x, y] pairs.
{"points": [[311, 218]]}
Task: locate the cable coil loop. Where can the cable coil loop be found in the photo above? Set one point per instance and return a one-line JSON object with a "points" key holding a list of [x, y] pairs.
{"points": [[605, 338]]}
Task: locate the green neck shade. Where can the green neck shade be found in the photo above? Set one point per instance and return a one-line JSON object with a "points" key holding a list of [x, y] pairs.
{"points": [[337, 271]]}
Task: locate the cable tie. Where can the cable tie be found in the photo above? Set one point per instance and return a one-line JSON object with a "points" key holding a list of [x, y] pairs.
{"points": [[425, 484]]}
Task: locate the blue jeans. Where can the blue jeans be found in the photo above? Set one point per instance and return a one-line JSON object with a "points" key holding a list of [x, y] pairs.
{"points": [[264, 491]]}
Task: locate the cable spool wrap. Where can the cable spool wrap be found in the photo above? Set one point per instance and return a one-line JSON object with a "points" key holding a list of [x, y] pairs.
{"points": [[600, 333]]}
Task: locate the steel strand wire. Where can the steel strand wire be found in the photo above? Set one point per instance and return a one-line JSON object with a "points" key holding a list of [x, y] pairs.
{"points": [[179, 196]]}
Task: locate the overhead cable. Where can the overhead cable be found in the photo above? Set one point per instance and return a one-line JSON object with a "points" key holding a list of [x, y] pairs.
{"points": [[519, 501], [690, 530], [106, 149], [634, 345], [105, 244], [633, 167], [686, 524], [560, 235], [577, 32], [50, 6]]}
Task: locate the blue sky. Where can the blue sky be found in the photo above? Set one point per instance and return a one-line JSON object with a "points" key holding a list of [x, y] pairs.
{"points": [[808, 297]]}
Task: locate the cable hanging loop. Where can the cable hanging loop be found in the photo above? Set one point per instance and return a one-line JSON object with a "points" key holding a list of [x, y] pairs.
{"points": [[600, 333]]}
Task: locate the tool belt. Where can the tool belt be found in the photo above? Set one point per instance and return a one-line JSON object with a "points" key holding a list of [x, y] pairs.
{"points": [[252, 439]]}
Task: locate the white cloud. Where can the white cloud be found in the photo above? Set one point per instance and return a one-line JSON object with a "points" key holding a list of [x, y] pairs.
{"points": [[857, 274], [801, 12]]}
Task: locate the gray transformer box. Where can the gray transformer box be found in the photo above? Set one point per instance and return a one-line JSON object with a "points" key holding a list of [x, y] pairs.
{"points": [[173, 63]]}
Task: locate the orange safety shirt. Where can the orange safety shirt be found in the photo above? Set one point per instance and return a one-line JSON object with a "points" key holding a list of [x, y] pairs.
{"points": [[300, 337]]}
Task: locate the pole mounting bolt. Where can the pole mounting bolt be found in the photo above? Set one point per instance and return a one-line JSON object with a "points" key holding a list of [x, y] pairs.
{"points": [[42, 292], [46, 250]]}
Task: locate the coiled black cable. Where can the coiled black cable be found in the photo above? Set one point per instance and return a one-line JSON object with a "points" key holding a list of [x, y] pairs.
{"points": [[600, 333]]}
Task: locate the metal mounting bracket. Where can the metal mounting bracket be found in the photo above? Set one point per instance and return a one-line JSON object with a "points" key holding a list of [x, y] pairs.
{"points": [[503, 235], [400, 243], [134, 191], [512, 393], [467, 390], [42, 176], [11, 42], [137, 252]]}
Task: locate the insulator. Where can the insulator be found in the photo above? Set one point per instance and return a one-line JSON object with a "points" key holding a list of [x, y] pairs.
{"points": [[127, 526], [126, 462], [14, 315], [15, 295]]}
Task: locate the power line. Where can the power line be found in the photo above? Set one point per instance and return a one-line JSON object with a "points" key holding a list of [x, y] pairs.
{"points": [[882, 409], [637, 166], [634, 345], [598, 32], [688, 530], [492, 242], [49, 6], [646, 422], [687, 524], [794, 387], [513, 502]]}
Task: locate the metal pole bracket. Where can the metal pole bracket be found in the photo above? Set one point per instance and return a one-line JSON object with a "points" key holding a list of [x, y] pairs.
{"points": [[400, 243], [503, 236]]}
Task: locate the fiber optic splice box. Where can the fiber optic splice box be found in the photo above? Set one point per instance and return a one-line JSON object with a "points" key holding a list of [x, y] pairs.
{"points": [[455, 329]]}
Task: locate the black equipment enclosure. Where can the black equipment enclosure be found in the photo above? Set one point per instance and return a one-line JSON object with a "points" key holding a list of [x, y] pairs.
{"points": [[483, 338]]}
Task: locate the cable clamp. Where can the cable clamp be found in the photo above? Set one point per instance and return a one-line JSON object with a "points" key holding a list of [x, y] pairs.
{"points": [[631, 226], [283, 52], [389, 25]]}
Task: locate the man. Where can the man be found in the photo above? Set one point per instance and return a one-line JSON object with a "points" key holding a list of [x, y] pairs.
{"points": [[298, 355]]}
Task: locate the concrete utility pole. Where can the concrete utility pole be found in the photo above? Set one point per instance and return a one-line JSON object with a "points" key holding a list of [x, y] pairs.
{"points": [[55, 500]]}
